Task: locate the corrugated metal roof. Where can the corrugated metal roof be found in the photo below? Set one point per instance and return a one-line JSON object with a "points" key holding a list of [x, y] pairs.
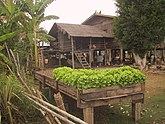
{"points": [[76, 30]]}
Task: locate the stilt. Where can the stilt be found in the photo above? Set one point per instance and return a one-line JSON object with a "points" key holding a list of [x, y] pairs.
{"points": [[136, 109], [88, 115], [50, 93]]}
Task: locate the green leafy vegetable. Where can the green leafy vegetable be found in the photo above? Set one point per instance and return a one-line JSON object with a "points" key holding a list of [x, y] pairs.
{"points": [[86, 78]]}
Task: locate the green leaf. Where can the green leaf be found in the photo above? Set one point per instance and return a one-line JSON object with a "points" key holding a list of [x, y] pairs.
{"points": [[11, 6], [45, 37], [43, 4], [5, 58], [7, 36]]}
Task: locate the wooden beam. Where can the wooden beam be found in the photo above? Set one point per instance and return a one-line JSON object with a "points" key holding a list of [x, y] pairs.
{"points": [[90, 52], [136, 109], [73, 65], [88, 115]]}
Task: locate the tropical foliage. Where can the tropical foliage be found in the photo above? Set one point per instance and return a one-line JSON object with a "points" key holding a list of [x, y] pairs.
{"points": [[35, 10], [85, 79], [19, 32], [23, 18], [10, 92]]}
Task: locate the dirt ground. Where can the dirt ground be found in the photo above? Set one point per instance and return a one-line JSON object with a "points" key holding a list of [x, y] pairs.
{"points": [[155, 83]]}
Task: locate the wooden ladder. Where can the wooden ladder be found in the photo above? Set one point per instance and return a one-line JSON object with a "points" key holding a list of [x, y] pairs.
{"points": [[81, 58]]}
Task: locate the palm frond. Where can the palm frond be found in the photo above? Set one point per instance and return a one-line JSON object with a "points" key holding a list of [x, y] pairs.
{"points": [[50, 17], [42, 5], [45, 37]]}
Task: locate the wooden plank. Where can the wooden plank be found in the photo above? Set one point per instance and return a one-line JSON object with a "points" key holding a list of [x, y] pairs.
{"points": [[51, 82], [88, 115], [107, 88], [110, 92], [101, 102]]}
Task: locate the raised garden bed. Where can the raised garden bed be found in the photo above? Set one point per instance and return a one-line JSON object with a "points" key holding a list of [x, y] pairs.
{"points": [[89, 98]]}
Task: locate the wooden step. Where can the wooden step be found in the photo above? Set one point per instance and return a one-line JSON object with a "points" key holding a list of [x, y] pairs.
{"points": [[81, 58]]}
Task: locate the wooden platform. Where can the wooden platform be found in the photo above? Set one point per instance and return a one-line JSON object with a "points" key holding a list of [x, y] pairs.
{"points": [[90, 98]]}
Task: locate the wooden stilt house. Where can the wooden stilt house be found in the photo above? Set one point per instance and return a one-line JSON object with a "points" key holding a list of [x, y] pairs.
{"points": [[85, 45], [81, 44]]}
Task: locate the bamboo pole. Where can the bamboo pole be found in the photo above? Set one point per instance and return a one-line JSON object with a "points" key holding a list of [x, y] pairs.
{"points": [[57, 109], [19, 75], [50, 111], [48, 115]]}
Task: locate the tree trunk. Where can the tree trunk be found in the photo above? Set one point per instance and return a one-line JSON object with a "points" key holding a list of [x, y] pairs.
{"points": [[140, 61]]}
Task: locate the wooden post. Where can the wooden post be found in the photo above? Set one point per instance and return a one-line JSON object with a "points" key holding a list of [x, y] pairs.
{"points": [[105, 55], [121, 55], [50, 93], [155, 55], [59, 101], [73, 65], [42, 59], [110, 56], [90, 52], [44, 81], [136, 109], [59, 59], [88, 115]]}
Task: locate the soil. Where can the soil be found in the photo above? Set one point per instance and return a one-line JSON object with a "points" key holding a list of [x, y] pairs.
{"points": [[155, 83]]}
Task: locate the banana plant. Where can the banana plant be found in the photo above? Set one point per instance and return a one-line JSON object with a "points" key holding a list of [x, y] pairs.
{"points": [[36, 9]]}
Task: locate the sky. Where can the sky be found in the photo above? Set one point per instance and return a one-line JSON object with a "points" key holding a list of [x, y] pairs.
{"points": [[77, 11]]}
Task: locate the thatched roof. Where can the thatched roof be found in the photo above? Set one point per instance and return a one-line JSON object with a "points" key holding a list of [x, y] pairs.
{"points": [[76, 30]]}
